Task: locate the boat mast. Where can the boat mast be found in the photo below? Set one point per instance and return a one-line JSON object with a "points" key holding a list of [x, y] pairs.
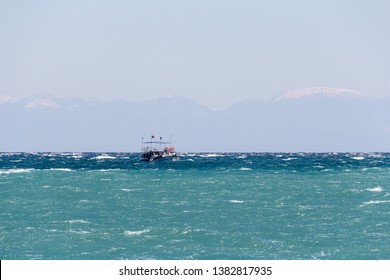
{"points": [[151, 142]]}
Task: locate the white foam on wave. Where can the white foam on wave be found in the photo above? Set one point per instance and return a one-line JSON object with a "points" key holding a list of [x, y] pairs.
{"points": [[15, 171], [358, 158], [130, 190], [375, 202], [376, 189], [288, 159], [104, 156], [327, 170], [376, 155], [187, 231], [137, 232], [245, 168], [73, 155], [212, 155], [99, 170], [77, 222], [79, 231], [188, 154], [236, 201], [61, 169]]}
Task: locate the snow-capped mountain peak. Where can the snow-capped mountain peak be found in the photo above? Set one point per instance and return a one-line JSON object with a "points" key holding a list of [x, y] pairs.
{"points": [[317, 92]]}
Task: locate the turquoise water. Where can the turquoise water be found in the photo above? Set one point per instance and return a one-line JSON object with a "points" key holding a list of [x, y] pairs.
{"points": [[200, 206]]}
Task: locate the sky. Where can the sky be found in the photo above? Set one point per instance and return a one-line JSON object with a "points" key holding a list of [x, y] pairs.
{"points": [[215, 52]]}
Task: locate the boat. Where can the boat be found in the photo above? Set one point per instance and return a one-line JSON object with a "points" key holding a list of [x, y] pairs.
{"points": [[155, 149]]}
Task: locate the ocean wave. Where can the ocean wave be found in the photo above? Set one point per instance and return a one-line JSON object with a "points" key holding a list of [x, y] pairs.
{"points": [[104, 170], [245, 169], [236, 201], [79, 231], [61, 169], [77, 222], [188, 155], [375, 202], [71, 154], [52, 230], [15, 171], [377, 189], [137, 232], [77, 156], [327, 170], [130, 190], [212, 155], [376, 155], [195, 230], [104, 156], [358, 158], [290, 158]]}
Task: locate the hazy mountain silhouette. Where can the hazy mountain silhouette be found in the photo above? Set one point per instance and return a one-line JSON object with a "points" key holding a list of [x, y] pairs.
{"points": [[291, 122]]}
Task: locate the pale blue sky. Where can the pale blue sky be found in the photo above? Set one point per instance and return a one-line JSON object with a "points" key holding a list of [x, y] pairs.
{"points": [[214, 52]]}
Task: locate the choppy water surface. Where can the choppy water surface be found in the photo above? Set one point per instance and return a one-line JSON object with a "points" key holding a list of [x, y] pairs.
{"points": [[200, 206]]}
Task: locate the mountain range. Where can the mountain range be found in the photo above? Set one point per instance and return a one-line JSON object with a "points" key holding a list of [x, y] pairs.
{"points": [[309, 120]]}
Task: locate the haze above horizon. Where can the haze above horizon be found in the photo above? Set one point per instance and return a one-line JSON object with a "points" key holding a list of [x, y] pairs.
{"points": [[214, 52]]}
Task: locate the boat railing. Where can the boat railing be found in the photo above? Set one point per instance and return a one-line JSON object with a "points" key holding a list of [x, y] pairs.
{"points": [[155, 145], [155, 149]]}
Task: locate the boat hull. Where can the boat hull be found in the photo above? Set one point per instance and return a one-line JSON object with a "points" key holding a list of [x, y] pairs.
{"points": [[151, 156]]}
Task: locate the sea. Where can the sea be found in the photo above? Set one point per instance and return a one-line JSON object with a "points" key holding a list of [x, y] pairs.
{"points": [[197, 206]]}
